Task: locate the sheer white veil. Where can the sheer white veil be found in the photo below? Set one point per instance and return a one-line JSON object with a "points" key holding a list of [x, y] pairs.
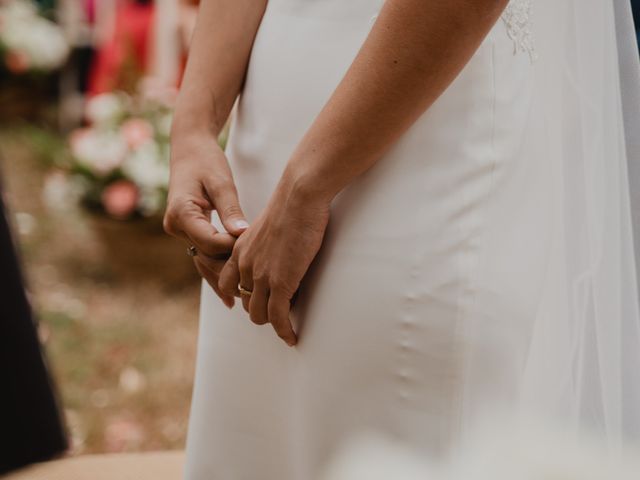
{"points": [[581, 365], [629, 64]]}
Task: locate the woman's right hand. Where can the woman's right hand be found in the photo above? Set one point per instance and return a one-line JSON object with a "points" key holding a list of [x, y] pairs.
{"points": [[201, 181]]}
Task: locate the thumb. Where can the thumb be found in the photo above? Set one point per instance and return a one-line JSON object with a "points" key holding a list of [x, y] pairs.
{"points": [[225, 201]]}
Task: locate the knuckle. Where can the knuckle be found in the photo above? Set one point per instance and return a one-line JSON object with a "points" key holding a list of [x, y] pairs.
{"points": [[244, 266], [220, 184], [176, 209], [175, 203], [280, 286], [168, 223], [230, 210], [260, 278]]}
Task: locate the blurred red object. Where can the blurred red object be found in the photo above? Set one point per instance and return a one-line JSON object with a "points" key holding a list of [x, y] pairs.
{"points": [[124, 57], [120, 198], [17, 62]]}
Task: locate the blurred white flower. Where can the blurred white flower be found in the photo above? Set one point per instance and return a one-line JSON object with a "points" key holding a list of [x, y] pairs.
{"points": [[20, 9], [147, 166], [98, 150], [59, 193], [26, 223], [131, 380], [77, 431], [104, 109], [151, 201], [38, 43]]}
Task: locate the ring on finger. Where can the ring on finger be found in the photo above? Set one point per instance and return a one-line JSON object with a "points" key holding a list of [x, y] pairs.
{"points": [[244, 291]]}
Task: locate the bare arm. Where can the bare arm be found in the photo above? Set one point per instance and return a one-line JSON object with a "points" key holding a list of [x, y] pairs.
{"points": [[201, 180], [414, 51], [220, 50]]}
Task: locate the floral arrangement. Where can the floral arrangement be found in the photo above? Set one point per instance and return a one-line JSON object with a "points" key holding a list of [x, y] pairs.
{"points": [[120, 161], [29, 42]]}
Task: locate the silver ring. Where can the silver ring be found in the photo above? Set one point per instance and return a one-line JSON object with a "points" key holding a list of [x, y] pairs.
{"points": [[192, 251], [244, 291]]}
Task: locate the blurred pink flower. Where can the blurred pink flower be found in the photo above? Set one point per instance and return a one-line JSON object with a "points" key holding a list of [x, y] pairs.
{"points": [[120, 198], [123, 434], [136, 132], [17, 61]]}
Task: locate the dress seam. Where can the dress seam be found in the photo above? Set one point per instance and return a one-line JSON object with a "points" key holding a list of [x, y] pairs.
{"points": [[468, 299]]}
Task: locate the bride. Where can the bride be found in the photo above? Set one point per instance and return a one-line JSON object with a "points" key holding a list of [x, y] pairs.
{"points": [[427, 206]]}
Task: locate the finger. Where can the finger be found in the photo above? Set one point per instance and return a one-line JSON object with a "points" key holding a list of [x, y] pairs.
{"points": [[212, 263], [246, 298], [208, 241], [258, 304], [225, 201], [278, 312], [196, 225], [246, 281], [230, 277], [212, 279]]}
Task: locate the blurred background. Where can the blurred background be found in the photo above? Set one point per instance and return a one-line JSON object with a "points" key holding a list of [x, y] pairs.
{"points": [[86, 95]]}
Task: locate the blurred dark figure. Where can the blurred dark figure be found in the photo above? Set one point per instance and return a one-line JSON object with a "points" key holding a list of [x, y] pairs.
{"points": [[31, 428]]}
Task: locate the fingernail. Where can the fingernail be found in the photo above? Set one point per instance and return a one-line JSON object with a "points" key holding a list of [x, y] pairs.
{"points": [[241, 224]]}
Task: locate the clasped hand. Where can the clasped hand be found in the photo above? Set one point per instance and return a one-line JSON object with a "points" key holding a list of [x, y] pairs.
{"points": [[268, 258]]}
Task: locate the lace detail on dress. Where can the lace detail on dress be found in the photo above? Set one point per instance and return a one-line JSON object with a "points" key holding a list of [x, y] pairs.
{"points": [[517, 18]]}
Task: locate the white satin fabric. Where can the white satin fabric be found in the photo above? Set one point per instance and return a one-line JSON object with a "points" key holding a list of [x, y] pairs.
{"points": [[464, 272]]}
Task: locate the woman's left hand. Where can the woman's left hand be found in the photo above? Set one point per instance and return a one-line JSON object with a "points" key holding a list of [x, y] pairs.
{"points": [[271, 257]]}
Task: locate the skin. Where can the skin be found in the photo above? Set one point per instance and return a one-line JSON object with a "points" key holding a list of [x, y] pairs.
{"points": [[414, 51]]}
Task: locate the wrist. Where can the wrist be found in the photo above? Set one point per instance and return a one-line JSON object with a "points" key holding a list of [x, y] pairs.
{"points": [[186, 126], [193, 116], [300, 186]]}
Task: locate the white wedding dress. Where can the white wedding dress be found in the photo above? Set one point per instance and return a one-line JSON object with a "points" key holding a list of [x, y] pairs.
{"points": [[472, 268]]}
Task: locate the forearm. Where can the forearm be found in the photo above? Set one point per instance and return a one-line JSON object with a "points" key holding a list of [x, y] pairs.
{"points": [[414, 51], [220, 50]]}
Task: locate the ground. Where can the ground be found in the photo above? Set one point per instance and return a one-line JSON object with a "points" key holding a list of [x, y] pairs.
{"points": [[121, 344]]}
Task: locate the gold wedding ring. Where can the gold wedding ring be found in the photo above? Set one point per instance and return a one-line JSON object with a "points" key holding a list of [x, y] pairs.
{"points": [[244, 291]]}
